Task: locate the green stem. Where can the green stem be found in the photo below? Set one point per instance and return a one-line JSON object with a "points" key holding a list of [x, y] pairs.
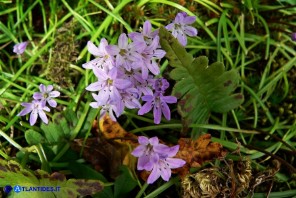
{"points": [[161, 126], [11, 141]]}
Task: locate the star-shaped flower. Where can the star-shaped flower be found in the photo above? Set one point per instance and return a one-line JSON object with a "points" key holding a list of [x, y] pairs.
{"points": [[36, 108], [180, 27], [46, 95], [163, 164]]}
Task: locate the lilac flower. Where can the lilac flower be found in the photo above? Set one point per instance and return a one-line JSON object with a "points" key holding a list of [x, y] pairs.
{"points": [[146, 36], [162, 165], [160, 85], [180, 27], [36, 108], [46, 95], [130, 98], [20, 47], [147, 149], [145, 86], [125, 53], [293, 36], [106, 108], [159, 104], [148, 56], [158, 101], [103, 60], [108, 85], [156, 157]]}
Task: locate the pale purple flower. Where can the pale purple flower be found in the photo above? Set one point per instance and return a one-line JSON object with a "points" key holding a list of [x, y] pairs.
{"points": [[159, 104], [125, 53], [162, 165], [158, 101], [36, 108], [19, 48], [106, 108], [108, 85], [145, 86], [147, 149], [46, 94], [130, 98], [180, 27], [160, 85], [293, 36], [148, 56], [103, 58], [146, 35]]}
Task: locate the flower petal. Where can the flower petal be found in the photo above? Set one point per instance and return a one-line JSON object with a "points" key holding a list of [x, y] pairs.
{"points": [[49, 88], [96, 86], [93, 49], [157, 115], [175, 162], [155, 174], [112, 49], [25, 111], [94, 105], [154, 141], [123, 41], [145, 108], [182, 39], [42, 88], [33, 117], [169, 99], [143, 140], [121, 83], [142, 161], [147, 28], [166, 110], [189, 20], [54, 94], [43, 116], [37, 96], [139, 151], [166, 173], [52, 103], [190, 31]]}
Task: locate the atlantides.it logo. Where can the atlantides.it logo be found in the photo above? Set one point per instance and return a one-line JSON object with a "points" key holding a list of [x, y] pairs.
{"points": [[17, 189]]}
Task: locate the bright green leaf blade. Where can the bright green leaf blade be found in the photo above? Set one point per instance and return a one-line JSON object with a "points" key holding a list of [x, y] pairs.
{"points": [[51, 132], [33, 137]]}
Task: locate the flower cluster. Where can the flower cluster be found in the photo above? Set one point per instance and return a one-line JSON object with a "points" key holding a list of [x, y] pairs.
{"points": [[126, 72], [38, 105], [157, 158]]}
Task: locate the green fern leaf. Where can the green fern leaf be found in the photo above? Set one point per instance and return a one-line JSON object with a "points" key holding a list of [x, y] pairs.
{"points": [[201, 88]]}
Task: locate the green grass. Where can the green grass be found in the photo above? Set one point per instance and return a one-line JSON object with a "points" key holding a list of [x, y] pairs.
{"points": [[250, 38]]}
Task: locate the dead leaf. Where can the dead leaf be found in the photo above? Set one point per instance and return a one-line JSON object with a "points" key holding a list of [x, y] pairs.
{"points": [[196, 152], [105, 155], [113, 130], [110, 149]]}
